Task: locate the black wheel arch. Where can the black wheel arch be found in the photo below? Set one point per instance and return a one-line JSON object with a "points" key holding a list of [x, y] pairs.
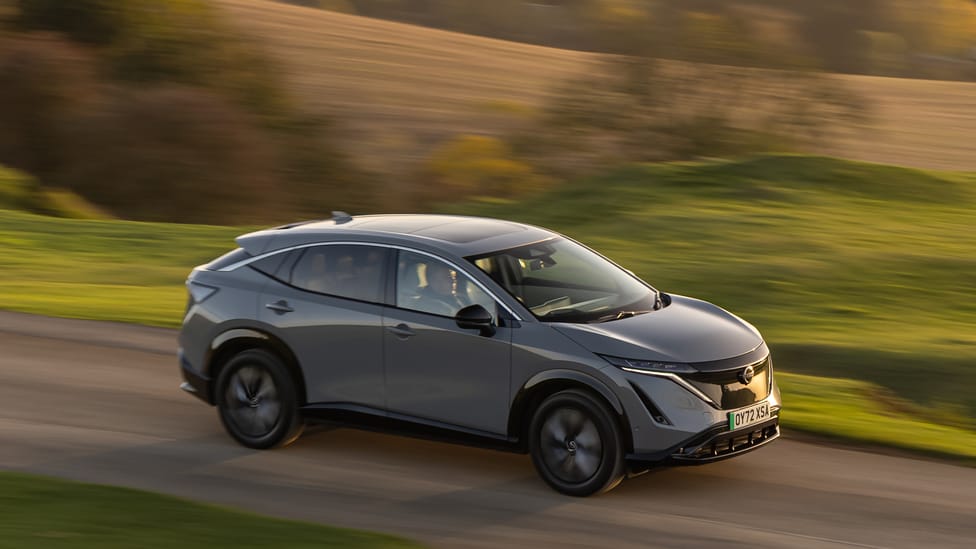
{"points": [[542, 385], [235, 340]]}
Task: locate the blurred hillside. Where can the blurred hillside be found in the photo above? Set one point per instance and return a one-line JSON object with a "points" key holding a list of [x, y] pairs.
{"points": [[252, 111], [912, 38], [402, 89]]}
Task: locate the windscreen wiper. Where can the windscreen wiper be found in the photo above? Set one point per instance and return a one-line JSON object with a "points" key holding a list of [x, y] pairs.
{"points": [[556, 313], [618, 315]]}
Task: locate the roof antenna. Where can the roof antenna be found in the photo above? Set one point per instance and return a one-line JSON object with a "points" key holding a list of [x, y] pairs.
{"points": [[341, 217]]}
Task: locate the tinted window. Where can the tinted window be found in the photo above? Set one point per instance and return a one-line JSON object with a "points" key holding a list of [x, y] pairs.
{"points": [[271, 265], [351, 271], [227, 259], [431, 286]]}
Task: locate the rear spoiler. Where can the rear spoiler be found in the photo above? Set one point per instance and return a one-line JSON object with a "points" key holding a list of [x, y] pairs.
{"points": [[258, 242]]}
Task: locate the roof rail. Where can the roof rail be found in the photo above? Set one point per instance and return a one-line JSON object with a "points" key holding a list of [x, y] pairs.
{"points": [[341, 217]]}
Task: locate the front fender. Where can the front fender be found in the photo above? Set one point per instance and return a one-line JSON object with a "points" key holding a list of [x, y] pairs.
{"points": [[547, 382], [576, 376]]}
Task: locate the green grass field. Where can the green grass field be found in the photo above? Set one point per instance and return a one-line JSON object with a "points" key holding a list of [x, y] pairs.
{"points": [[106, 270], [852, 410], [851, 270], [47, 513]]}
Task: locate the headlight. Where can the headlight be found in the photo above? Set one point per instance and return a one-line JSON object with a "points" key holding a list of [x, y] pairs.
{"points": [[668, 370], [649, 366]]}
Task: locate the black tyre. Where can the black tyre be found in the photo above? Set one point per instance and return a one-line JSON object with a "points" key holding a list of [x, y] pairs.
{"points": [[576, 444], [257, 402]]}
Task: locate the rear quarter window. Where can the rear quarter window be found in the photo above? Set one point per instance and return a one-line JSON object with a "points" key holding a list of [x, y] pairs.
{"points": [[274, 265], [228, 259]]}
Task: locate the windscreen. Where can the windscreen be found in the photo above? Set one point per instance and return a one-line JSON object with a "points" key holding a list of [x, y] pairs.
{"points": [[562, 281]]}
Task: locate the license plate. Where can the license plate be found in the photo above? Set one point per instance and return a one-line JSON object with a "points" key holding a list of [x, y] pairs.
{"points": [[748, 416]]}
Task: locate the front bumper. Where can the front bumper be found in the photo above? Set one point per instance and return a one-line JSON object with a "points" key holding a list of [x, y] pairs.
{"points": [[725, 444], [194, 382], [715, 444]]}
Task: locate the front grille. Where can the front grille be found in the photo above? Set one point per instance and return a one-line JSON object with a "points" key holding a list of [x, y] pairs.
{"points": [[726, 390], [730, 443]]}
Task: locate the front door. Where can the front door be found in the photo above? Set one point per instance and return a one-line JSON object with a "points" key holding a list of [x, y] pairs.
{"points": [[434, 369]]}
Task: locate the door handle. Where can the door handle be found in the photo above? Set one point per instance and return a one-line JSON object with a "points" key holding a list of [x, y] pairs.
{"points": [[401, 330], [280, 307]]}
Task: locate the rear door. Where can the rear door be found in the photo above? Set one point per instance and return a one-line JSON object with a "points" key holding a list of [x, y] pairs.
{"points": [[326, 303]]}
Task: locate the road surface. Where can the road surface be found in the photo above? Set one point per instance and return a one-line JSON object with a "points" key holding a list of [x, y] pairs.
{"points": [[99, 402]]}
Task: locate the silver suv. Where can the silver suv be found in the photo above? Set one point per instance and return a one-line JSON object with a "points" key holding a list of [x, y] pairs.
{"points": [[491, 331]]}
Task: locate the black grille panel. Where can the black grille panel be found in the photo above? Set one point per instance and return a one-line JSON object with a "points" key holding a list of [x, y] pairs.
{"points": [[649, 404], [728, 391], [730, 443]]}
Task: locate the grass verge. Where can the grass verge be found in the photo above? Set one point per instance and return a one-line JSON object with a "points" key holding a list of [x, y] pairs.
{"points": [[104, 270], [48, 513], [847, 409]]}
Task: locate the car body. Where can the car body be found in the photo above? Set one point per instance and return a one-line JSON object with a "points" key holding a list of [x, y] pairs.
{"points": [[497, 332]]}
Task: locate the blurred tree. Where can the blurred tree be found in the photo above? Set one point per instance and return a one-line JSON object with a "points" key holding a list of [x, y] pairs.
{"points": [[47, 84], [147, 41], [97, 22], [247, 135], [8, 11], [342, 6], [18, 191], [887, 54], [501, 18], [719, 38], [640, 109], [944, 27], [623, 26], [176, 154], [474, 165], [832, 30]]}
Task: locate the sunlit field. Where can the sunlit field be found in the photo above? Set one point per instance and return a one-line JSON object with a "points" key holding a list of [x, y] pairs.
{"points": [[850, 270]]}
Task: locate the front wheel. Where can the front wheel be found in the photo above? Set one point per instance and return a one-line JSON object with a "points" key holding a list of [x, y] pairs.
{"points": [[576, 444], [256, 400]]}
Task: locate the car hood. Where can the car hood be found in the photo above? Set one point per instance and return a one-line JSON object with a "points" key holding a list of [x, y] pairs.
{"points": [[687, 331]]}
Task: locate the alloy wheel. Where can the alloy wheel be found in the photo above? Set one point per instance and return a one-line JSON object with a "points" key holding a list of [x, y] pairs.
{"points": [[252, 401]]}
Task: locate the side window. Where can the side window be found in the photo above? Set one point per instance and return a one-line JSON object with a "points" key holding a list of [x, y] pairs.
{"points": [[228, 259], [431, 286], [351, 271], [272, 265]]}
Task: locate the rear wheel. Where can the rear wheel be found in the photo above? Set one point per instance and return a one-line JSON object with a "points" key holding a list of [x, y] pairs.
{"points": [[576, 444], [257, 402]]}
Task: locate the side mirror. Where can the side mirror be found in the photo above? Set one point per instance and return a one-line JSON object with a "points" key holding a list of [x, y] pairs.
{"points": [[476, 317]]}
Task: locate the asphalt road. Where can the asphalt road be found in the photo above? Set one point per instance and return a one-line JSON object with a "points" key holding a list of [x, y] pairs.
{"points": [[100, 402]]}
